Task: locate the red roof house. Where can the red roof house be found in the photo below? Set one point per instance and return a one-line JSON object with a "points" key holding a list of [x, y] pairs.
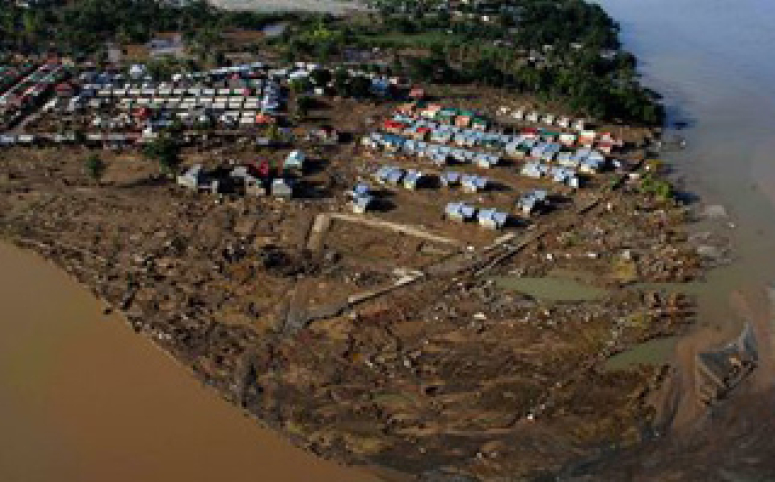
{"points": [[65, 89]]}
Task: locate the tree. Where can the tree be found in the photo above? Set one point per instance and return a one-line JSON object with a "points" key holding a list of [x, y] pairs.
{"points": [[95, 167], [360, 86], [176, 126], [30, 23], [341, 80], [321, 77], [273, 133], [661, 188], [300, 85], [165, 151], [303, 104]]}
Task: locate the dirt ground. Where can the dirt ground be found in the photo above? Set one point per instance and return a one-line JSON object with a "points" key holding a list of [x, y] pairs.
{"points": [[449, 372], [446, 374]]}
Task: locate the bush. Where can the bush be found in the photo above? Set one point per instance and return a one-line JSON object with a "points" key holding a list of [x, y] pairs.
{"points": [[95, 167]]}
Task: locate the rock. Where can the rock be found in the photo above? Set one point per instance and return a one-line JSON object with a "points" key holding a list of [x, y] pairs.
{"points": [[714, 211], [710, 252]]}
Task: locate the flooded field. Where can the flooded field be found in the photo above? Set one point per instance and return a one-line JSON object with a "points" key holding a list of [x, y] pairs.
{"points": [[83, 398], [652, 352], [551, 288]]}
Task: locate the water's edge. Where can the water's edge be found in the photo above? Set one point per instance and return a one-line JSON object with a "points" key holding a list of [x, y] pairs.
{"points": [[66, 368]]}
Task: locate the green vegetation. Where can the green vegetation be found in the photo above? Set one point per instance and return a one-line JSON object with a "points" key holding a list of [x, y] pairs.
{"points": [[82, 27], [300, 86], [321, 77], [95, 167], [165, 151], [656, 186], [558, 50], [303, 105]]}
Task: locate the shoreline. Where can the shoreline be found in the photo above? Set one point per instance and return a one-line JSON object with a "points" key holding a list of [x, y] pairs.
{"points": [[203, 379], [686, 346], [157, 411], [109, 308]]}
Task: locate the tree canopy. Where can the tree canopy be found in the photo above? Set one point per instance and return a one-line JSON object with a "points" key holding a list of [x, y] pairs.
{"points": [[164, 150]]}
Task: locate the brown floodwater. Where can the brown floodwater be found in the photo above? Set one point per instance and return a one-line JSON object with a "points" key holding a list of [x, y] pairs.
{"points": [[83, 398], [712, 61]]}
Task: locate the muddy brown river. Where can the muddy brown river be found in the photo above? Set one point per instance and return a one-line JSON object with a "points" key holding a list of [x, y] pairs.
{"points": [[83, 398], [712, 61]]}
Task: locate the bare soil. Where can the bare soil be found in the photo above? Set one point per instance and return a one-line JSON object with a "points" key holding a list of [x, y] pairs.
{"points": [[449, 374]]}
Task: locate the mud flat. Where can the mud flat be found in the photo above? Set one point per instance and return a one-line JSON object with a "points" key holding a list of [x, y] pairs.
{"points": [[553, 289], [453, 372], [83, 398]]}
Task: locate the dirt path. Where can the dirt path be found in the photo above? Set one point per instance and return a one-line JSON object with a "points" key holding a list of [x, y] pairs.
{"points": [[395, 227]]}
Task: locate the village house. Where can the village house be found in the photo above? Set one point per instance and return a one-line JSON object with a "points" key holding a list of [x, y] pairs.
{"points": [[567, 159], [492, 219], [249, 183], [294, 161], [194, 178], [587, 137], [7, 140], [486, 161], [535, 170], [567, 139], [473, 183], [389, 175], [282, 188], [413, 179], [450, 178], [531, 202], [361, 204], [64, 89], [360, 198], [563, 175], [460, 212], [417, 94], [430, 111]]}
